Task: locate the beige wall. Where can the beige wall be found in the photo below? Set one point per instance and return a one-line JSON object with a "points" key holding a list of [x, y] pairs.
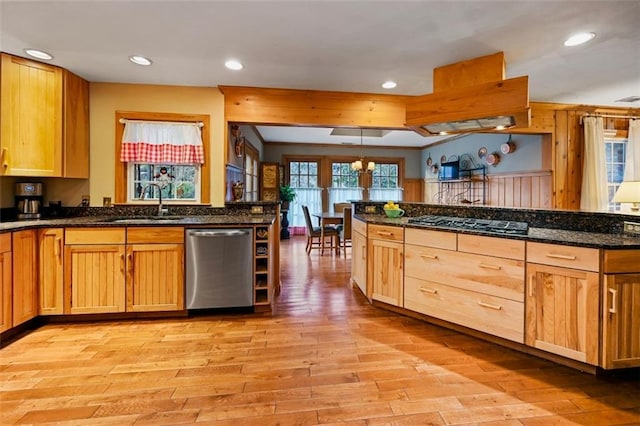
{"points": [[107, 98]]}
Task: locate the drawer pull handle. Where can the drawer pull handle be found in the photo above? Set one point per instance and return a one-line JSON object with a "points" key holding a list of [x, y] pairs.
{"points": [[429, 256], [560, 256], [489, 305], [531, 284], [122, 262], [493, 267], [59, 248], [364, 248], [428, 290], [5, 162], [614, 302], [385, 234]]}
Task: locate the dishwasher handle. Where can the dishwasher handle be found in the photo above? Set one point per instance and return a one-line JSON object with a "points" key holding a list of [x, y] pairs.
{"points": [[212, 233]]}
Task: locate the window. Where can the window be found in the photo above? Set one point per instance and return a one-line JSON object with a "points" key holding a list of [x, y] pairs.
{"points": [[180, 189], [251, 173], [343, 176], [147, 180], [344, 184], [303, 174], [385, 175], [615, 154], [385, 183]]}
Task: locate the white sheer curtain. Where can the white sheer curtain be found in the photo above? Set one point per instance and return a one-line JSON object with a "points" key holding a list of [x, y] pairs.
{"points": [[310, 197], [385, 194], [594, 195], [632, 160], [342, 195]]}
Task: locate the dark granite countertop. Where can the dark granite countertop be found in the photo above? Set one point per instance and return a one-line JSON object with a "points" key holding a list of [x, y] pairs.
{"points": [[102, 221], [543, 235]]}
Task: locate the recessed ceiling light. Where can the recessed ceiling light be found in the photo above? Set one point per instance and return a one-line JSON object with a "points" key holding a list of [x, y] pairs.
{"points": [[500, 127], [232, 64], [140, 60], [389, 84], [580, 38], [38, 54]]}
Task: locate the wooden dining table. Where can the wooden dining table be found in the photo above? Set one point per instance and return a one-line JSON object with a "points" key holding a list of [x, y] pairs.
{"points": [[325, 219]]}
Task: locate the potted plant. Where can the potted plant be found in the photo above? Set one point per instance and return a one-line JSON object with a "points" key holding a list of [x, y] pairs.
{"points": [[287, 194]]}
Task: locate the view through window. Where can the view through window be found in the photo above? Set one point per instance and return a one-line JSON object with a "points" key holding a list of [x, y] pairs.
{"points": [[615, 154]]}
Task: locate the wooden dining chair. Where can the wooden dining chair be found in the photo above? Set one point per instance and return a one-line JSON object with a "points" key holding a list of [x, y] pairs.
{"points": [[345, 232], [314, 234], [339, 207]]}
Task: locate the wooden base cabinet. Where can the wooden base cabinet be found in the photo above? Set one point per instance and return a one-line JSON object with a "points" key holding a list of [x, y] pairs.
{"points": [[359, 256], [562, 314], [386, 263], [155, 269], [51, 249], [25, 276], [621, 321], [6, 282], [94, 270]]}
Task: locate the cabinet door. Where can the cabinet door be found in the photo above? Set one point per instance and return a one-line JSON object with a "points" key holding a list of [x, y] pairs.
{"points": [[94, 278], [155, 277], [6, 281], [562, 311], [76, 126], [621, 321], [25, 276], [359, 261], [385, 260], [31, 115], [51, 271]]}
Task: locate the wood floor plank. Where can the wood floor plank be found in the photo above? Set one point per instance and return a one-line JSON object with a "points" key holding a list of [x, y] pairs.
{"points": [[322, 356]]}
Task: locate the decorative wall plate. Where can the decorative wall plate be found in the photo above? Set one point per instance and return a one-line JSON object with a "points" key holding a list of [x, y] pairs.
{"points": [[429, 161], [482, 152], [507, 148], [493, 159], [443, 159], [434, 169]]}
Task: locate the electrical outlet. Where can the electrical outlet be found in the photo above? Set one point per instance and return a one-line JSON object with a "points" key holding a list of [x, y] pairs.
{"points": [[257, 210], [85, 201], [631, 228], [369, 209]]}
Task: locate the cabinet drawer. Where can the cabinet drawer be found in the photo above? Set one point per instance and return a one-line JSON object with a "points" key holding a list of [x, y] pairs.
{"points": [[155, 235], [385, 232], [429, 238], [621, 261], [489, 314], [491, 246], [485, 274], [94, 236], [587, 259], [359, 226], [5, 242]]}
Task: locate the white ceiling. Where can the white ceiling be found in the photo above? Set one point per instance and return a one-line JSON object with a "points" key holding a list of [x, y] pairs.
{"points": [[350, 46]]}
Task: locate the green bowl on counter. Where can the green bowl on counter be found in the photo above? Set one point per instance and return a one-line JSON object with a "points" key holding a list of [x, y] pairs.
{"points": [[393, 213]]}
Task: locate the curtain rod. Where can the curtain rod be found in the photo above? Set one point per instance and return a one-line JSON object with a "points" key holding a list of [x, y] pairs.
{"points": [[197, 123], [632, 117]]}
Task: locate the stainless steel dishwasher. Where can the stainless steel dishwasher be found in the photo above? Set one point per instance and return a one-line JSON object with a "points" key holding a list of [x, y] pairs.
{"points": [[219, 268]]}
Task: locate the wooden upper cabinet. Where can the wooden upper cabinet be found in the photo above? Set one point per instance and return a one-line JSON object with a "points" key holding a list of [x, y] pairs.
{"points": [[44, 111], [31, 116], [75, 132]]}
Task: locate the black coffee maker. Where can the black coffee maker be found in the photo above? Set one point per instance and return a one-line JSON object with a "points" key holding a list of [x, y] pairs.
{"points": [[29, 200]]}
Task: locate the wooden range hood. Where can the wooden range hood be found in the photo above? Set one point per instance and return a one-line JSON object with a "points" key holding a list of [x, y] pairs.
{"points": [[471, 96]]}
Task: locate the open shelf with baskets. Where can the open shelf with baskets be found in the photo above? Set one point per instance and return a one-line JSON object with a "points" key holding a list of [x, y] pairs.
{"points": [[261, 285]]}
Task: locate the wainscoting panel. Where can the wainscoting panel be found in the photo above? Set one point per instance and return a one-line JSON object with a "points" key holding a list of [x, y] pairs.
{"points": [[530, 189]]}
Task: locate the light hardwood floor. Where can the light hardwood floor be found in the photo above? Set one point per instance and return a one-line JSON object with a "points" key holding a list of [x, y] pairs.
{"points": [[323, 357]]}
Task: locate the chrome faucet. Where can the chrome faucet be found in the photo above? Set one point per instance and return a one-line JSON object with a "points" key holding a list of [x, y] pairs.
{"points": [[161, 209]]}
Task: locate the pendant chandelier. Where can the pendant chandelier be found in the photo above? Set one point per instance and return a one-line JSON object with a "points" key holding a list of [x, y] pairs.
{"points": [[358, 165]]}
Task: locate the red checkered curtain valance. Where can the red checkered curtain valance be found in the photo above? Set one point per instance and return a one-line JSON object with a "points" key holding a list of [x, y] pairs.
{"points": [[162, 142]]}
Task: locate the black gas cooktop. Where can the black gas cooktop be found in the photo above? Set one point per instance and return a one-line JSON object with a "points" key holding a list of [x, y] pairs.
{"points": [[482, 225]]}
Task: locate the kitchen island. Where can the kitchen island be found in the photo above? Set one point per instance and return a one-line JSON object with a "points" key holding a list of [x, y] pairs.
{"points": [[565, 294]]}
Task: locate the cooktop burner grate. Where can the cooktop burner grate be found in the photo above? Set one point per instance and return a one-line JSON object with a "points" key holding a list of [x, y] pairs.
{"points": [[486, 225]]}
